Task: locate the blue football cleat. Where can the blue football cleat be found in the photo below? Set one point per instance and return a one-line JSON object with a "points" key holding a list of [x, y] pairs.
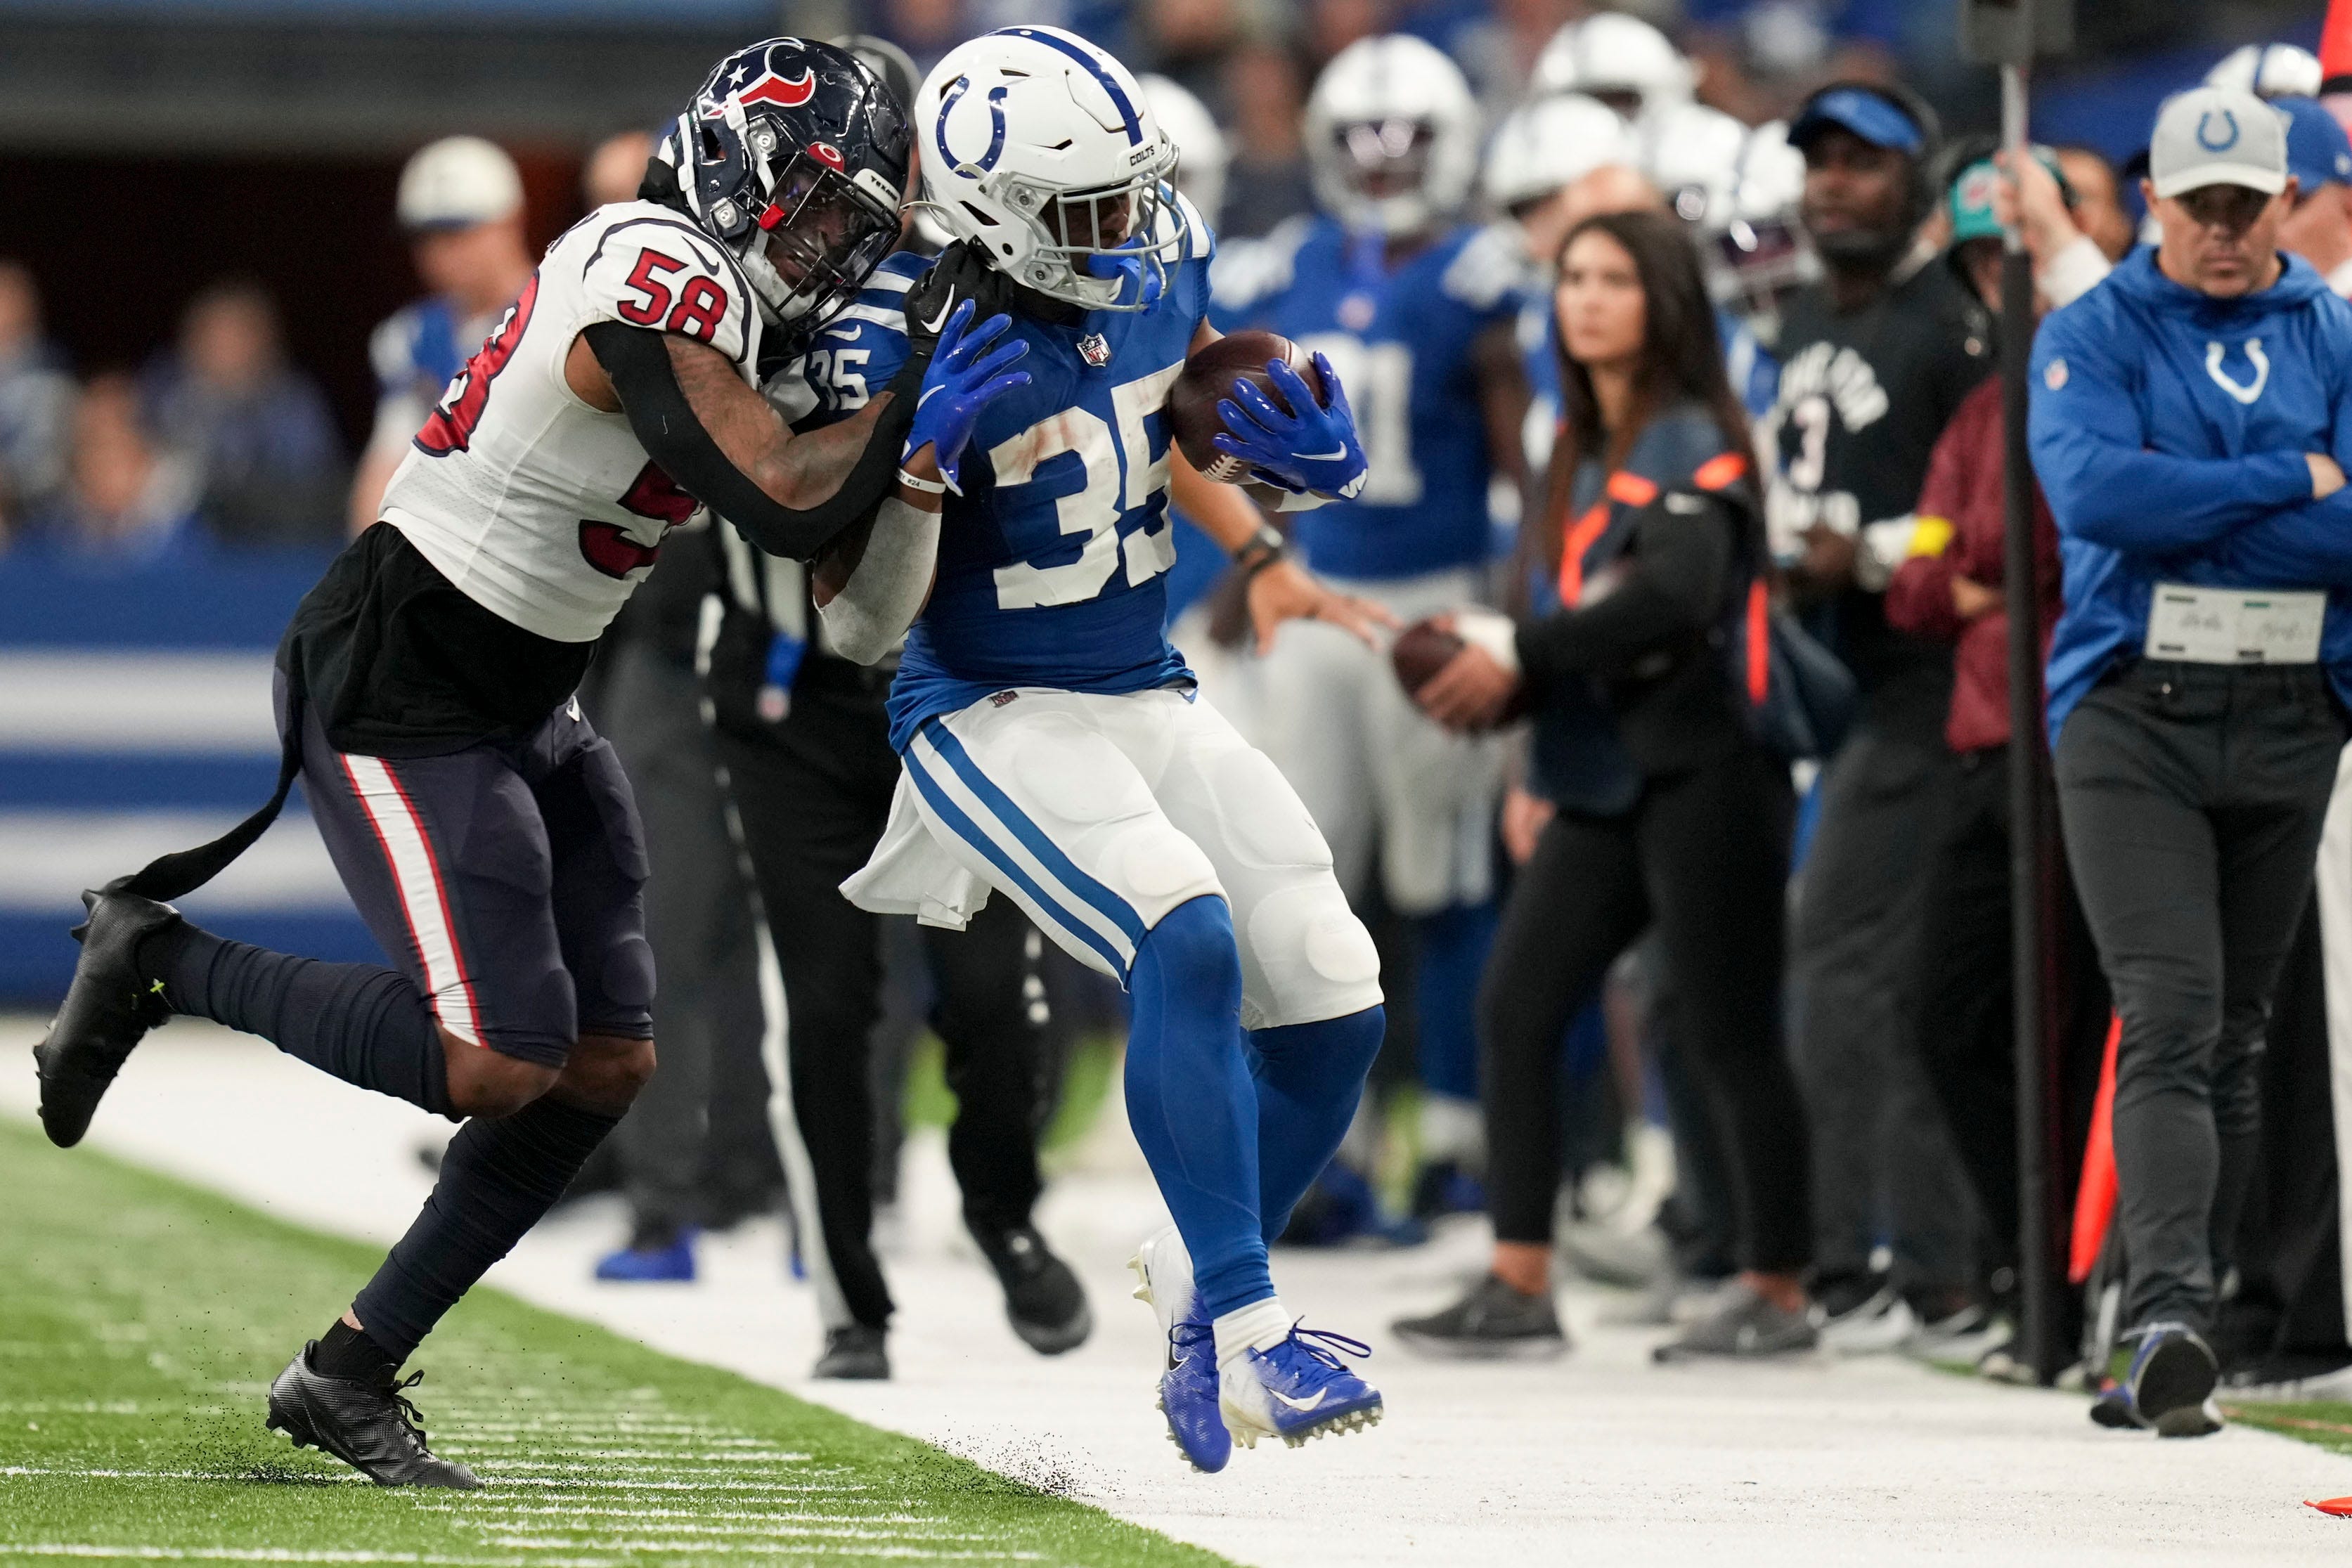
{"points": [[2168, 1387], [1188, 1380], [670, 1265], [1297, 1390]]}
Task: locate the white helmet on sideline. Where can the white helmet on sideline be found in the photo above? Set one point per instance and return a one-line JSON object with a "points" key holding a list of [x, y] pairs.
{"points": [[1546, 145], [1392, 135], [2268, 70], [1756, 251], [1043, 152], [1691, 153], [1203, 155], [1622, 60]]}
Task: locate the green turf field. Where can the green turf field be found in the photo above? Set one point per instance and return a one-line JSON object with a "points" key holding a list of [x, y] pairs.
{"points": [[140, 1322]]}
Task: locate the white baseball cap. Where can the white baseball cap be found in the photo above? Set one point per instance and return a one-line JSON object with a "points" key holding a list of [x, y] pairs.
{"points": [[2217, 136], [456, 182]]}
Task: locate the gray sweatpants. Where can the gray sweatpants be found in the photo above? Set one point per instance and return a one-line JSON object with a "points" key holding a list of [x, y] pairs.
{"points": [[2192, 796]]}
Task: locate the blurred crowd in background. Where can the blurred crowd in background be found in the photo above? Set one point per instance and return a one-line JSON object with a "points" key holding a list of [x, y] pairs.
{"points": [[220, 437]]}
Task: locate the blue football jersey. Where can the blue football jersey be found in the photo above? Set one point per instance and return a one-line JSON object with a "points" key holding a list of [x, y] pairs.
{"points": [[1052, 561], [1400, 340]]}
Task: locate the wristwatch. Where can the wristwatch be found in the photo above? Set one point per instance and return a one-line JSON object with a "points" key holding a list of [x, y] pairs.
{"points": [[1261, 551]]}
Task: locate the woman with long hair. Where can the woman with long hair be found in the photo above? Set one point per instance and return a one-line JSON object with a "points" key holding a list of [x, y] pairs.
{"points": [[1641, 661]]}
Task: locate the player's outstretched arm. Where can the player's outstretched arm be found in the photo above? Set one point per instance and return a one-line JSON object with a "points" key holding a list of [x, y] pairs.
{"points": [[724, 446]]}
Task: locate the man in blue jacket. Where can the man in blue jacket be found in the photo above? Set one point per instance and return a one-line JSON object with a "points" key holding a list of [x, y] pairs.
{"points": [[2190, 419]]}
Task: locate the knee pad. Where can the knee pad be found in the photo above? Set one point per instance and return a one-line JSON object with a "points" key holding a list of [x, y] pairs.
{"points": [[1192, 948], [1311, 958]]}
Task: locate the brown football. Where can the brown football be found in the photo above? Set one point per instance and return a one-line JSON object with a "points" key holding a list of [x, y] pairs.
{"points": [[1208, 376], [1424, 648]]}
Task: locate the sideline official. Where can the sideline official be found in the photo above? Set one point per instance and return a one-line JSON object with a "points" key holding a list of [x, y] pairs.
{"points": [[2190, 418]]}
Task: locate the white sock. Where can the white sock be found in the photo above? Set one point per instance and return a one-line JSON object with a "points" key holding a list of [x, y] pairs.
{"points": [[1261, 1325]]}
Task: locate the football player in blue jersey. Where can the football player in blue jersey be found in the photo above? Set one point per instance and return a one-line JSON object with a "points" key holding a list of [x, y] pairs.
{"points": [[1416, 309], [461, 204], [1055, 749]]}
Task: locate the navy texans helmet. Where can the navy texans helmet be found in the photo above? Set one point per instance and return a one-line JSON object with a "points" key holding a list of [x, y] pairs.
{"points": [[794, 156]]}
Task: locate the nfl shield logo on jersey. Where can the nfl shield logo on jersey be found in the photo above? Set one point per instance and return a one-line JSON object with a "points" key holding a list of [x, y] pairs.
{"points": [[1095, 349]]}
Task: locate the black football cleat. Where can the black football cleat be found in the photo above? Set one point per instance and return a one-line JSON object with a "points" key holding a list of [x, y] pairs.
{"points": [[856, 1353], [370, 1426], [1043, 1300], [108, 1009]]}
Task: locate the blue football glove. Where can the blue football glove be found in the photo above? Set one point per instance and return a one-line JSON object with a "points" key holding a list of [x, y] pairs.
{"points": [[964, 377], [1313, 449], [1138, 284]]}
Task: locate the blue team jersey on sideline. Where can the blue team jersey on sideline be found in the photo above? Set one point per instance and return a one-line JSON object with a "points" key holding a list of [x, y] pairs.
{"points": [[1053, 561], [1401, 343], [418, 348]]}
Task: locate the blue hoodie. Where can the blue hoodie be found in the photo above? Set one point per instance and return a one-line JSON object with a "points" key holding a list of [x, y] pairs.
{"points": [[2169, 432]]}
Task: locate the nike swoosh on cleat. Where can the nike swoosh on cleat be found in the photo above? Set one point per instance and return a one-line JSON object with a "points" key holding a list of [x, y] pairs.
{"points": [[1334, 455], [1300, 1404]]}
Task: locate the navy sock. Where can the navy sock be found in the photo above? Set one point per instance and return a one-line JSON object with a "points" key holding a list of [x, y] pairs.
{"points": [[1190, 1100], [497, 1180], [1453, 945], [365, 1024], [1309, 1078], [349, 1354]]}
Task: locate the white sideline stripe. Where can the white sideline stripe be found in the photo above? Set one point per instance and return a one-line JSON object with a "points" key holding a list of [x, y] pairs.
{"points": [[47, 858], [722, 1548], [1068, 906], [515, 1514], [773, 1528], [246, 1554], [560, 1483], [108, 700], [418, 880]]}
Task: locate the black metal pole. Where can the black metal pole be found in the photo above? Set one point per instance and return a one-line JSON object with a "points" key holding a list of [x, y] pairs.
{"points": [[2040, 1281]]}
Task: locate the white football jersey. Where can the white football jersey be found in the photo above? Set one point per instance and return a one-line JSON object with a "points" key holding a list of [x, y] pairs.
{"points": [[538, 507]]}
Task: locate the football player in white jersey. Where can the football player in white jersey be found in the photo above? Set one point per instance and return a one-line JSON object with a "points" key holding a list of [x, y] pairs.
{"points": [[1055, 751], [483, 827]]}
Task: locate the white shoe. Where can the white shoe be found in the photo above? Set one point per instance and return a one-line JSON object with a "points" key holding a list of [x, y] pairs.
{"points": [[1188, 1366], [1163, 1275], [1876, 1326]]}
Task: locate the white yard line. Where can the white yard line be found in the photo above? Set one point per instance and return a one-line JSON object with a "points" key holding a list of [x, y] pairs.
{"points": [[1599, 1458]]}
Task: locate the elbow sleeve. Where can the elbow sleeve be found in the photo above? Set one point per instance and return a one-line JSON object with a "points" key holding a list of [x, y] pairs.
{"points": [[637, 362]]}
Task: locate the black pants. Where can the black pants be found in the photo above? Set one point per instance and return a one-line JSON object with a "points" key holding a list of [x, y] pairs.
{"points": [[698, 917], [813, 796], [1883, 1168], [1705, 856], [1966, 1031], [2192, 796]]}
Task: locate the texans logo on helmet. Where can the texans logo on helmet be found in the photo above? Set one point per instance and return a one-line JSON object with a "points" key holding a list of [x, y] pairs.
{"points": [[612, 551], [784, 92]]}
